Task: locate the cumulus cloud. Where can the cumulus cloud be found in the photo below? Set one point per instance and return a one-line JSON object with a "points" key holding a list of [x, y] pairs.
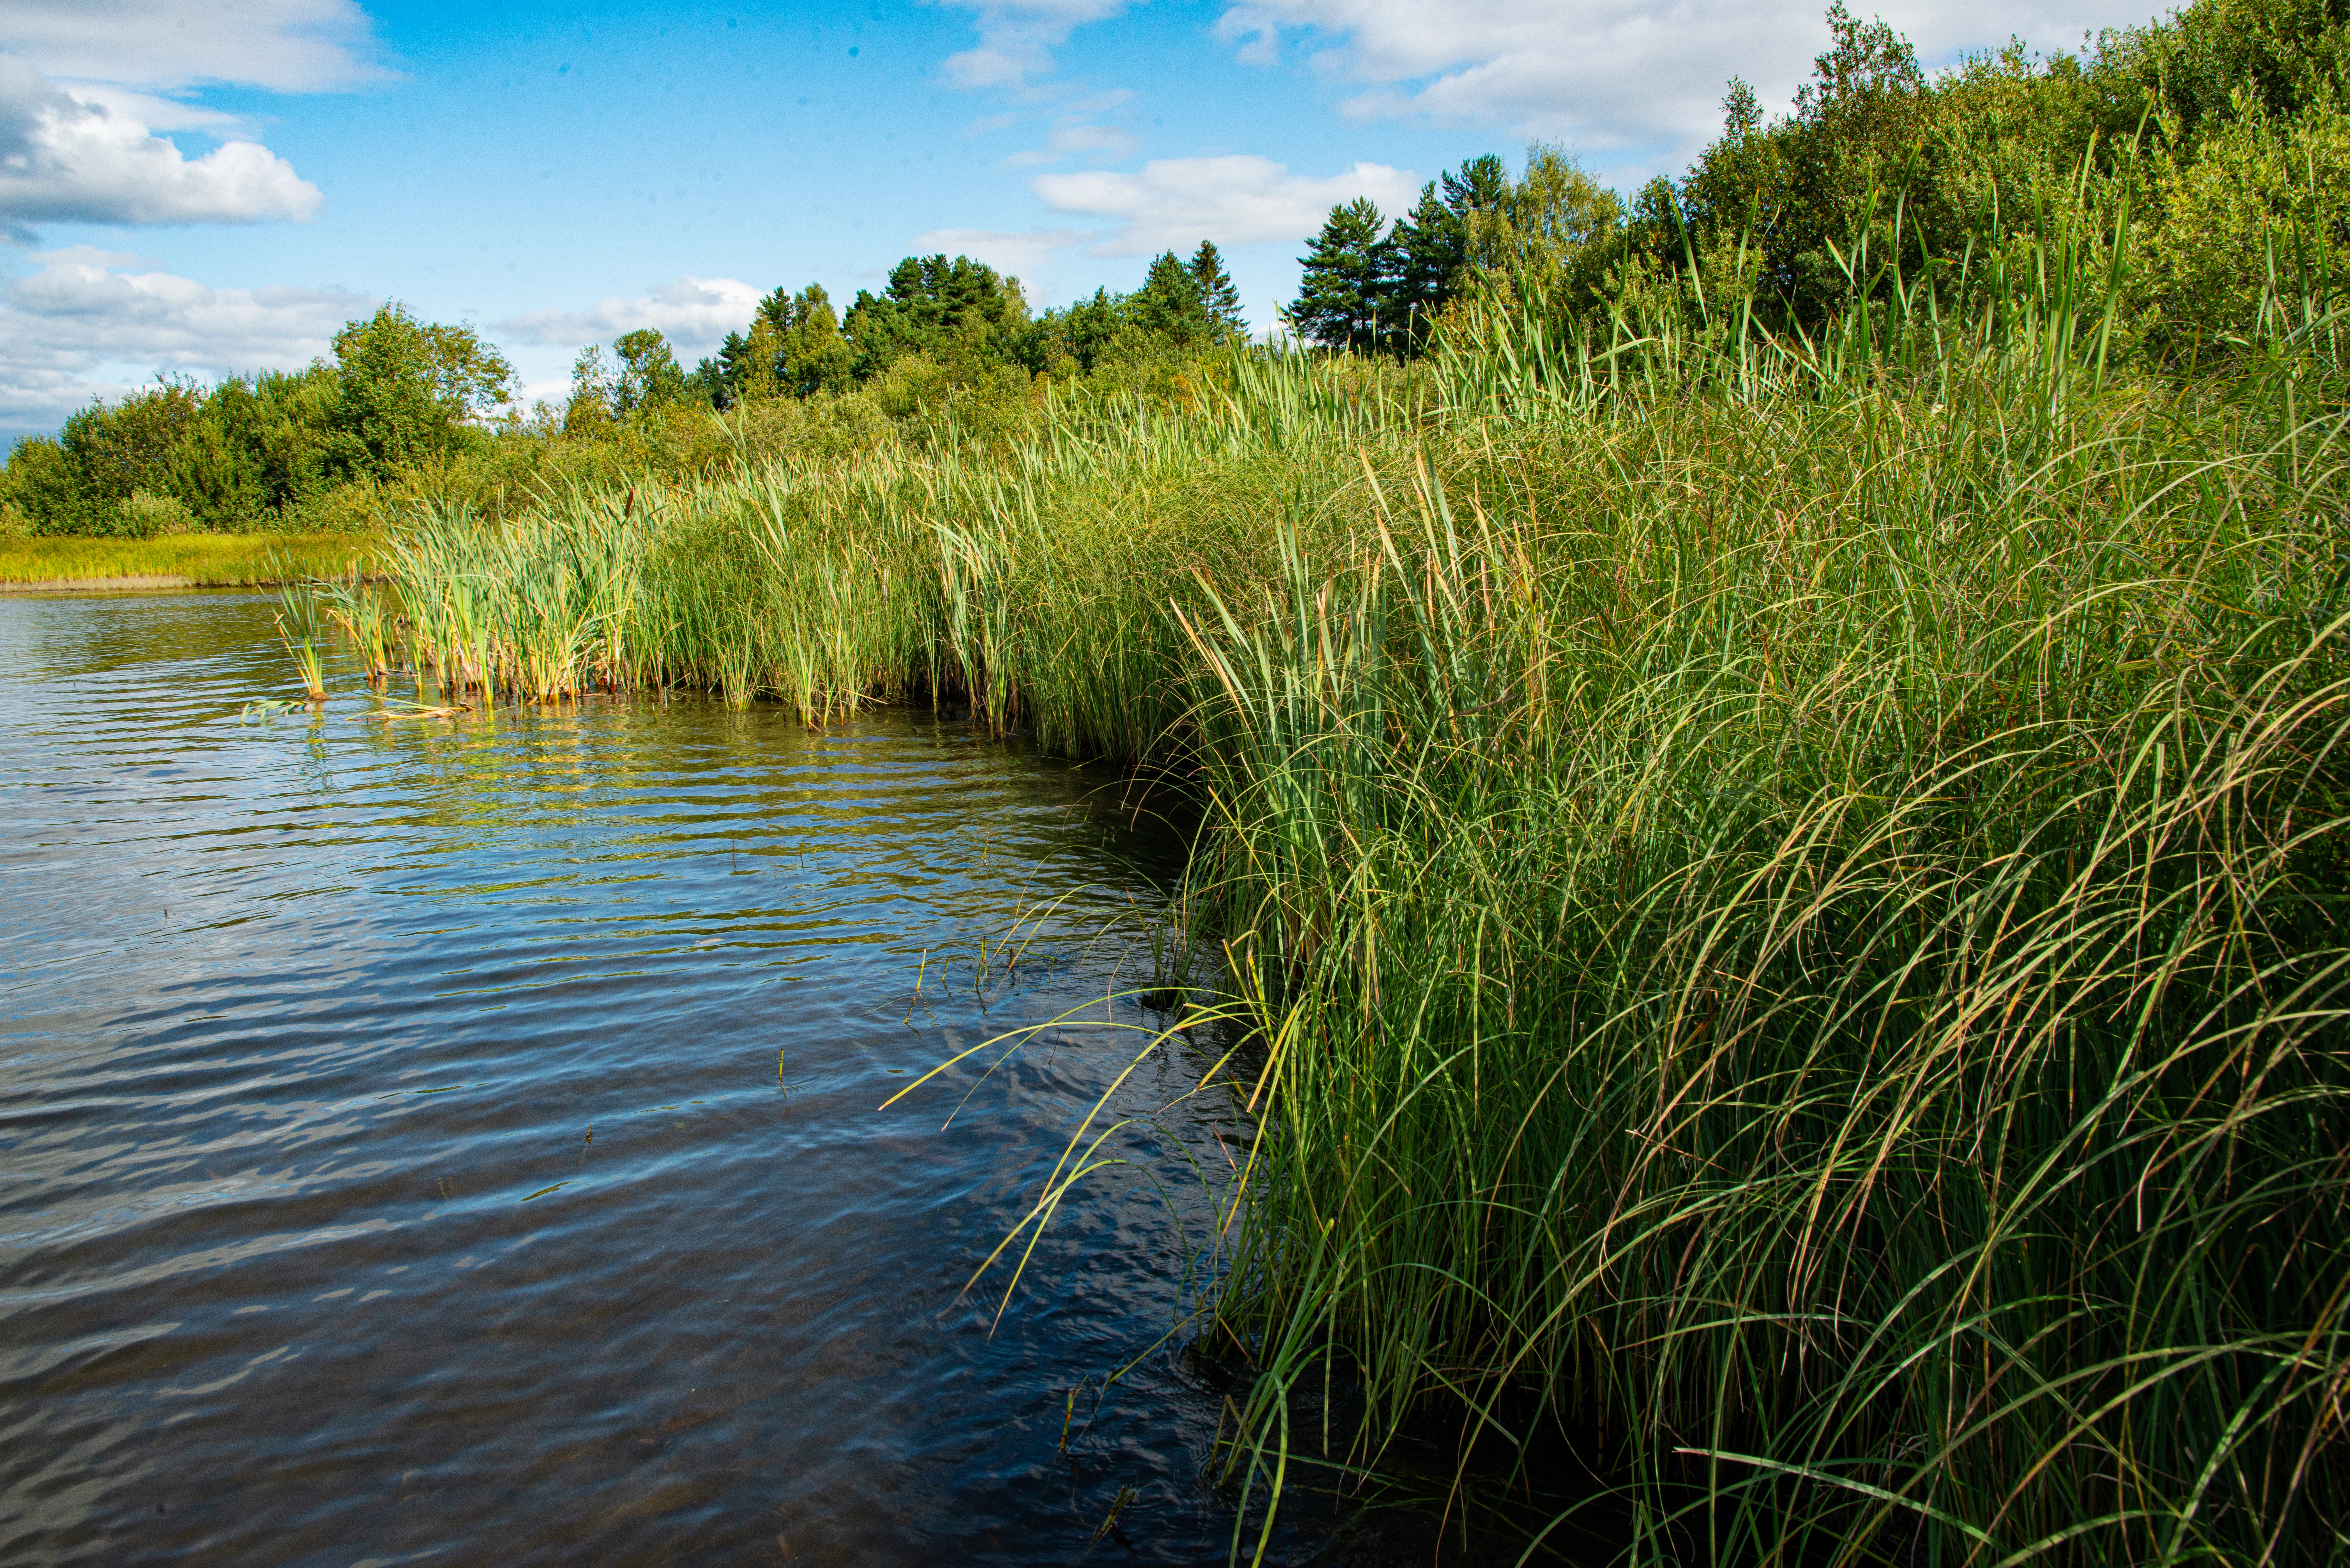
{"points": [[1017, 40], [66, 160], [693, 313], [285, 45], [1239, 199], [1606, 73], [69, 329]]}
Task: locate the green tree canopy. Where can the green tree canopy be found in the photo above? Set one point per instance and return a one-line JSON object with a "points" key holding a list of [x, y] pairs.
{"points": [[1221, 300], [1170, 306], [406, 390], [1368, 287], [794, 346], [1553, 227], [955, 311], [1083, 335], [649, 375], [590, 407]]}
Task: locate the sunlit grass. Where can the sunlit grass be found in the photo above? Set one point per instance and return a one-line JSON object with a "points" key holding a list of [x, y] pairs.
{"points": [[203, 560]]}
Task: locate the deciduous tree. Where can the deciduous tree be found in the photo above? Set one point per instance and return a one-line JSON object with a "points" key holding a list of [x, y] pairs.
{"points": [[649, 375], [407, 390]]}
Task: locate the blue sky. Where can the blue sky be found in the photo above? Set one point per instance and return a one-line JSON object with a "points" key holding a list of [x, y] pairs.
{"points": [[210, 186]]}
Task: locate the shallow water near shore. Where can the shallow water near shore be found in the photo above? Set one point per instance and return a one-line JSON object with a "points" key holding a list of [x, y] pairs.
{"points": [[457, 1140]]}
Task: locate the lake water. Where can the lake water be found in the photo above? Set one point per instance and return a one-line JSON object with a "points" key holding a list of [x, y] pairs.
{"points": [[456, 1140]]}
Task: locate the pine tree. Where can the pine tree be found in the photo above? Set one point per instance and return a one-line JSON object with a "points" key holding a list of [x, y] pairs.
{"points": [[1170, 306], [962, 308], [1345, 300], [1482, 184], [811, 355], [761, 349], [1431, 244], [1431, 248], [1223, 301]]}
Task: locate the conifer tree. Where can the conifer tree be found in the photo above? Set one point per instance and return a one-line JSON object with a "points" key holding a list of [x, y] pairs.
{"points": [[1345, 300], [1170, 306], [811, 355], [1217, 293], [1432, 243], [1482, 185], [960, 308], [758, 357], [1431, 249]]}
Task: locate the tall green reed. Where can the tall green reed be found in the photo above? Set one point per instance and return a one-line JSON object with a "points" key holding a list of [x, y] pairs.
{"points": [[300, 627], [1797, 941]]}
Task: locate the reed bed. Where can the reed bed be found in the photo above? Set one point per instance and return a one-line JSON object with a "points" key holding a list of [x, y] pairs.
{"points": [[1781, 898], [1817, 971]]}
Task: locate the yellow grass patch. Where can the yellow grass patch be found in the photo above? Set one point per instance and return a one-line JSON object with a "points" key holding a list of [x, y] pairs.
{"points": [[203, 560]]}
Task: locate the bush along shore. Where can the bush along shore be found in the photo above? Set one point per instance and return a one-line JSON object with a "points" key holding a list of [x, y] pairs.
{"points": [[1777, 836]]}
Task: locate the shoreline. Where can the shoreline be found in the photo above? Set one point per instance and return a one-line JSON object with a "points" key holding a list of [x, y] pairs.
{"points": [[154, 583], [82, 564], [143, 582]]}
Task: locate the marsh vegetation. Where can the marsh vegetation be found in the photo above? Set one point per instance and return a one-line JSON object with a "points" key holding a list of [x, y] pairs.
{"points": [[1774, 810], [1785, 895]]}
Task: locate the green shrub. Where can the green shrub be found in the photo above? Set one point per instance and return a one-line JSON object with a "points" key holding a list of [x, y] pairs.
{"points": [[2262, 207]]}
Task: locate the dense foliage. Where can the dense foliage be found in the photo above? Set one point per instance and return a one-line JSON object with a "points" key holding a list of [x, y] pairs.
{"points": [[1775, 919], [2202, 162], [2199, 168]]}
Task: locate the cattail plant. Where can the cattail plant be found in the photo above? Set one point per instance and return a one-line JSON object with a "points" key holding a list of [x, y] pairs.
{"points": [[301, 627]]}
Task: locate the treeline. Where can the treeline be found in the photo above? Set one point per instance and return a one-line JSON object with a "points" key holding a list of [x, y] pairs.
{"points": [[407, 409], [302, 447], [2197, 167], [961, 319]]}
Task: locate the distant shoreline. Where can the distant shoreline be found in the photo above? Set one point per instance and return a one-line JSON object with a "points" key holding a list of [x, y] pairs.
{"points": [[71, 562], [134, 583]]}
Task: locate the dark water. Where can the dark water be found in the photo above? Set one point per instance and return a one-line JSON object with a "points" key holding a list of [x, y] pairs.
{"points": [[395, 1163]]}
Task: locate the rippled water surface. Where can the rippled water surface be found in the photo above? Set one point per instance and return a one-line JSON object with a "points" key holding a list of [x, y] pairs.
{"points": [[458, 1140]]}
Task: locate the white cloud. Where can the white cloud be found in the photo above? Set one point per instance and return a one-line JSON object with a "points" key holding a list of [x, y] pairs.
{"points": [[1017, 40], [1606, 73], [1236, 200], [164, 113], [1068, 140], [67, 329], [693, 313], [553, 391], [285, 45], [64, 159]]}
